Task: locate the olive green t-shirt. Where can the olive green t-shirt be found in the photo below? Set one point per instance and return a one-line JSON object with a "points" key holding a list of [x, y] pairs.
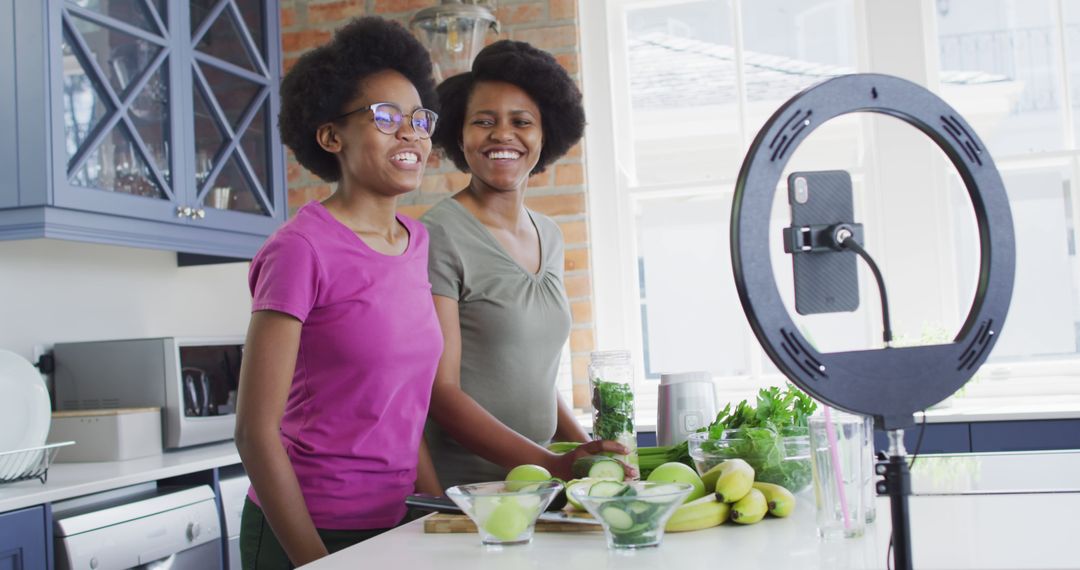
{"points": [[513, 327]]}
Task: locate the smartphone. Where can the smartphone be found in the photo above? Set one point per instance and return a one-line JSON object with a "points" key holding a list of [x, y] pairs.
{"points": [[826, 281], [426, 502]]}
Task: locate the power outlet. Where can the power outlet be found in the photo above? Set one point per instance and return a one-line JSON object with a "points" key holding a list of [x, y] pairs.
{"points": [[39, 350]]}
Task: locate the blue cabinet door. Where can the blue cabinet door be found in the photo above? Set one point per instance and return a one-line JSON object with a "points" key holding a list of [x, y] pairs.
{"points": [[25, 540], [936, 438], [142, 123], [1025, 435]]}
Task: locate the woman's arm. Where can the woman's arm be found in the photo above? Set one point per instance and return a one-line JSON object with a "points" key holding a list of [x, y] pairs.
{"points": [[473, 426], [568, 428], [427, 481], [266, 373]]}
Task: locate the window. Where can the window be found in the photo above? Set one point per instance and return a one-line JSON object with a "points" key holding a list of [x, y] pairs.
{"points": [[677, 89]]}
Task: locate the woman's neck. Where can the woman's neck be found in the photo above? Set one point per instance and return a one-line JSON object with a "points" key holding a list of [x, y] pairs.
{"points": [[502, 209], [363, 211]]}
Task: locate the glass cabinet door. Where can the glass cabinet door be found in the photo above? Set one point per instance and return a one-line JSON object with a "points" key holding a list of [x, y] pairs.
{"points": [[117, 126], [231, 94]]}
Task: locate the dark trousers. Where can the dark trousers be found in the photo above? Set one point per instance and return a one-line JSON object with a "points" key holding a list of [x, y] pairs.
{"points": [[260, 549]]}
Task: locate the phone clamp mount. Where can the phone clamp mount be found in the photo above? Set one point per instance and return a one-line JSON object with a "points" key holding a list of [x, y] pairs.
{"points": [[890, 384], [820, 238]]}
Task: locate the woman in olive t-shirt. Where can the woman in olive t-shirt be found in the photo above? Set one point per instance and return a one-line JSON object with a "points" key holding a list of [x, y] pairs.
{"points": [[496, 271]]}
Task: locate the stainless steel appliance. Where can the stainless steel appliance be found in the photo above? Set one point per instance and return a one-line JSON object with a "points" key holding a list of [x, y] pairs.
{"points": [[685, 403], [192, 380], [139, 527]]}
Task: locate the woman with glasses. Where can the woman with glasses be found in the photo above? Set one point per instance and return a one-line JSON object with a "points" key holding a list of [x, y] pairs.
{"points": [[343, 343], [496, 271]]}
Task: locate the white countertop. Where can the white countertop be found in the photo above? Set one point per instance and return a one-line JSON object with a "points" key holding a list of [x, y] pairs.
{"points": [[952, 528], [948, 532], [67, 480]]}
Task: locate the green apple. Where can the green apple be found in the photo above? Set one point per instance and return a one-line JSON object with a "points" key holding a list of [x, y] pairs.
{"points": [[507, 521], [675, 472], [522, 475]]}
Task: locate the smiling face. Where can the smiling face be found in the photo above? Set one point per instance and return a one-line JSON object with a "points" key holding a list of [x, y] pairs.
{"points": [[502, 136], [371, 159]]}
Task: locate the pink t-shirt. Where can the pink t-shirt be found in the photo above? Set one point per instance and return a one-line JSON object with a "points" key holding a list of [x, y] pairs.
{"points": [[369, 346]]}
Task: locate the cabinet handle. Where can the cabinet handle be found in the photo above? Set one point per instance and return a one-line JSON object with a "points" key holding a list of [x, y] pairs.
{"points": [[200, 213], [183, 212]]}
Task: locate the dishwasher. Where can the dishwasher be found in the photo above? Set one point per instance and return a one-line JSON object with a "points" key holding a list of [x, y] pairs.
{"points": [[144, 526]]}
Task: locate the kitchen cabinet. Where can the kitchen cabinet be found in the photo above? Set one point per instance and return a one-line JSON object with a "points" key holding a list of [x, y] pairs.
{"points": [[936, 438], [143, 123], [988, 436], [26, 515], [26, 539], [1025, 435]]}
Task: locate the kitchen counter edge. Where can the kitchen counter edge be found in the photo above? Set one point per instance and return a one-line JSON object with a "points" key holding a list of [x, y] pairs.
{"points": [[69, 480]]}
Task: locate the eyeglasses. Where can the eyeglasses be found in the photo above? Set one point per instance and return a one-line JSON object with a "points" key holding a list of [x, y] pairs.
{"points": [[389, 118]]}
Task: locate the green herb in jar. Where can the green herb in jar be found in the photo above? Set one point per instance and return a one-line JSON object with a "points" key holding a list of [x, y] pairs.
{"points": [[614, 406]]}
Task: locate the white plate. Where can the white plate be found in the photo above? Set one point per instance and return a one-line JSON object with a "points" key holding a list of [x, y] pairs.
{"points": [[25, 412]]}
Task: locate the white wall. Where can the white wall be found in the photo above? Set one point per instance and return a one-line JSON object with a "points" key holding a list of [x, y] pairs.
{"points": [[55, 291]]}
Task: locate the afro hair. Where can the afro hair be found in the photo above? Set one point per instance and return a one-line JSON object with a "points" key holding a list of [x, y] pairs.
{"points": [[326, 78], [562, 116]]}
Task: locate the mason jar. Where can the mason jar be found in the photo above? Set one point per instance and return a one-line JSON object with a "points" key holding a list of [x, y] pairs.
{"points": [[611, 382]]}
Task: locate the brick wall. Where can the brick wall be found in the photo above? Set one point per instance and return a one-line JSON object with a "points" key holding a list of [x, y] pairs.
{"points": [[559, 192]]}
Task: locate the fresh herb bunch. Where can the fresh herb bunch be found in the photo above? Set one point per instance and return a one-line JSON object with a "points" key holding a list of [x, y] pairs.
{"points": [[614, 409], [775, 410], [756, 434]]}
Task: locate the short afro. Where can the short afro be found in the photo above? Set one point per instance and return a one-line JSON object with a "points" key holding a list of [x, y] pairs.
{"points": [[536, 72], [326, 78]]}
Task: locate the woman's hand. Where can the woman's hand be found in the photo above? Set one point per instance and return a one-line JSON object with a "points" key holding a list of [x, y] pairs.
{"points": [[560, 464]]}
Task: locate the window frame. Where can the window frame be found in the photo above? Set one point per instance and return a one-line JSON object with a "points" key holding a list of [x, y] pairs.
{"points": [[613, 189]]}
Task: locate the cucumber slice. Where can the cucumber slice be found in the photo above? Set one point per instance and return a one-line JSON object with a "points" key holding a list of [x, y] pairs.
{"points": [[598, 467], [607, 469], [606, 489], [639, 528], [616, 518], [576, 483], [639, 508]]}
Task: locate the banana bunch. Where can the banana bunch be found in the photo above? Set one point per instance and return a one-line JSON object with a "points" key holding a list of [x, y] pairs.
{"points": [[736, 497], [705, 512]]}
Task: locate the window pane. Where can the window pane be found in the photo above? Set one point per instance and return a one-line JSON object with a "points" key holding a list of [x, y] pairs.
{"points": [[1043, 315], [1071, 10], [235, 94], [684, 106], [116, 165], [84, 106], [122, 58], [132, 12], [691, 314], [223, 41], [1000, 67], [790, 46]]}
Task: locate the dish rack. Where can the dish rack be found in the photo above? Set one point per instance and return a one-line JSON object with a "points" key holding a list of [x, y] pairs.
{"points": [[30, 463]]}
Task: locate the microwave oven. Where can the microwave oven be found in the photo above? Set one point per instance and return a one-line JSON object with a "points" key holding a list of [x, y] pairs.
{"points": [[193, 380]]}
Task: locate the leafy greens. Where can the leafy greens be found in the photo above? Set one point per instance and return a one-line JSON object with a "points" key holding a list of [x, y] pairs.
{"points": [[756, 434], [614, 409]]}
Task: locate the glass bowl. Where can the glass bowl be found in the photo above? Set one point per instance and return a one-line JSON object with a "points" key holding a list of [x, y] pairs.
{"points": [[504, 516], [633, 513], [783, 459]]}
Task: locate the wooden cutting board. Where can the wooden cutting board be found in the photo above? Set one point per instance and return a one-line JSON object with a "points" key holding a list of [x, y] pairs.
{"points": [[443, 523]]}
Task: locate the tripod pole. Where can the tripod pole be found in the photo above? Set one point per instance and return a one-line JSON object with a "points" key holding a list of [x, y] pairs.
{"points": [[897, 484]]}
